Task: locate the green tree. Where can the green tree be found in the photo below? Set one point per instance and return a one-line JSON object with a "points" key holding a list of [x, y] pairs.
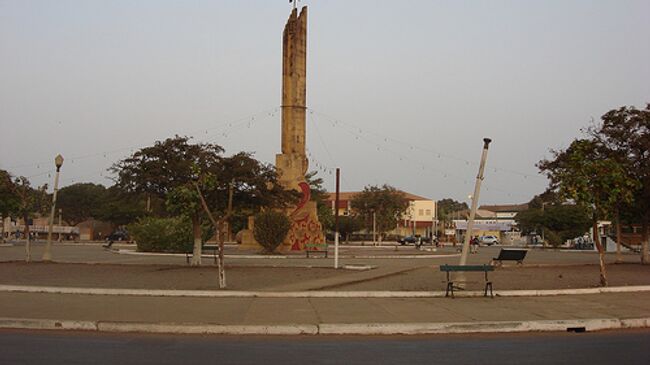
{"points": [[447, 209], [560, 222], [348, 225], [588, 174], [319, 195], [30, 202], [9, 201], [122, 208], [271, 228], [254, 186], [387, 203], [81, 201], [626, 132], [167, 170]]}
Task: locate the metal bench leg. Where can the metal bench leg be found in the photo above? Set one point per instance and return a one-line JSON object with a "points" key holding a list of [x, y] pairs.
{"points": [[450, 289], [488, 285]]}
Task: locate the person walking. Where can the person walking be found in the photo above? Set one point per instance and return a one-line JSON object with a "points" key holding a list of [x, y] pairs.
{"points": [[474, 245]]}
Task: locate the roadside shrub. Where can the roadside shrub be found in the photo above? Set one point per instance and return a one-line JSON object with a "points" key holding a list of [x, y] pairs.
{"points": [[162, 234], [270, 229], [553, 237]]}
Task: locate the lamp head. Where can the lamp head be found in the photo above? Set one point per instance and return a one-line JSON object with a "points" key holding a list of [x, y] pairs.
{"points": [[58, 161], [486, 142]]}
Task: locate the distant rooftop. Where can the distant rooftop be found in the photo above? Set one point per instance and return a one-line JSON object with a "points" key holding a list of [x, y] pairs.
{"points": [[349, 195], [505, 208]]}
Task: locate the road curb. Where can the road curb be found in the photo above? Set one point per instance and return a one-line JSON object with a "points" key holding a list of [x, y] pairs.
{"points": [[47, 324], [581, 325], [288, 257], [312, 294]]}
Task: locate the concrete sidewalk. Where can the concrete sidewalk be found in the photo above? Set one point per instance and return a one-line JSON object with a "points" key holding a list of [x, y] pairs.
{"points": [[254, 315], [143, 293]]}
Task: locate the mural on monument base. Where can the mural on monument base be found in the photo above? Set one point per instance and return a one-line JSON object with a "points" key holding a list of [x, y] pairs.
{"points": [[305, 227]]}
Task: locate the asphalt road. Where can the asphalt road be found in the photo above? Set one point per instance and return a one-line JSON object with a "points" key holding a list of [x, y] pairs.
{"points": [[40, 347]]}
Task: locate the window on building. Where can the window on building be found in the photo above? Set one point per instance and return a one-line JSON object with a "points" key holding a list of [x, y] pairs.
{"points": [[428, 211], [421, 212]]}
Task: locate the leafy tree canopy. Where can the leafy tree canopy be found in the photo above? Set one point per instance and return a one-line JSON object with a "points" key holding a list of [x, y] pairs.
{"points": [[9, 201], [319, 195], [448, 206], [166, 165], [81, 201], [591, 176], [626, 133], [566, 221], [386, 202]]}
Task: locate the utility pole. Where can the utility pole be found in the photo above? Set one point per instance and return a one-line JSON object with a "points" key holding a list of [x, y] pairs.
{"points": [[230, 193], [47, 254], [336, 219], [472, 214]]}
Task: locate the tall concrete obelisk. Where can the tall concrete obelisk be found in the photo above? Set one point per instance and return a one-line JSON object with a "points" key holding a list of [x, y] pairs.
{"points": [[292, 163]]}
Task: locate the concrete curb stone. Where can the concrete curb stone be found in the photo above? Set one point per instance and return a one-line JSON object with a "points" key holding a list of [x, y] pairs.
{"points": [[597, 324], [311, 294]]}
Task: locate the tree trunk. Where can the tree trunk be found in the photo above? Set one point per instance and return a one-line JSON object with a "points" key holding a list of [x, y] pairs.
{"points": [[196, 228], [222, 269], [28, 247], [619, 259], [601, 254], [645, 235]]}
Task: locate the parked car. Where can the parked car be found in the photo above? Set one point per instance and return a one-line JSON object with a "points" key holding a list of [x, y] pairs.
{"points": [[488, 240], [117, 236], [412, 240], [583, 243]]}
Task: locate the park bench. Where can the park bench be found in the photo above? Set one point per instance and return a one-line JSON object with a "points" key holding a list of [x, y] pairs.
{"points": [[204, 248], [467, 268], [316, 248], [510, 255]]}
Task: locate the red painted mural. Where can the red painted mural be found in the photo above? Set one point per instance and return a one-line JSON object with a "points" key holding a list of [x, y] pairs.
{"points": [[304, 228]]}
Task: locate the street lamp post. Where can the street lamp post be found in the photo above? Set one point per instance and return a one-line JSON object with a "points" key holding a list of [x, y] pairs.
{"points": [[472, 214], [60, 213], [47, 254]]}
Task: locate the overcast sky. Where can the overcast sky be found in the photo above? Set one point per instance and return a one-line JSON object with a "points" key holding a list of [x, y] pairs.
{"points": [[400, 92]]}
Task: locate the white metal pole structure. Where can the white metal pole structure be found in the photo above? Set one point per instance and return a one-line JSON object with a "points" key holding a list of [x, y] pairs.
{"points": [[472, 214], [47, 254], [60, 227], [374, 228], [336, 219]]}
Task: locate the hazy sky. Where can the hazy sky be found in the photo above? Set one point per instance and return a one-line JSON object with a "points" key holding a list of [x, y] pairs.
{"points": [[400, 92]]}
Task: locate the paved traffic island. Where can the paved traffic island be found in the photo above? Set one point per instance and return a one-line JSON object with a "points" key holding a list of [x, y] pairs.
{"points": [[423, 277]]}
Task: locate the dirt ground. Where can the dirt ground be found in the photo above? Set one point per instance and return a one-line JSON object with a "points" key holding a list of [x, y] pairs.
{"points": [[260, 278], [516, 278]]}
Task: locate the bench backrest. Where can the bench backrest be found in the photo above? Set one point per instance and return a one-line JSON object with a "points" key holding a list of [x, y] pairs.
{"points": [[512, 254], [448, 268], [316, 245]]}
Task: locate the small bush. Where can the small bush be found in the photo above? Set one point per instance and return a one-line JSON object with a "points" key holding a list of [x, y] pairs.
{"points": [[270, 229], [553, 237], [163, 234]]}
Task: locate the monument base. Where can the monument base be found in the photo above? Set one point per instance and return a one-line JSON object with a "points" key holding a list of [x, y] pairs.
{"points": [[305, 228]]}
